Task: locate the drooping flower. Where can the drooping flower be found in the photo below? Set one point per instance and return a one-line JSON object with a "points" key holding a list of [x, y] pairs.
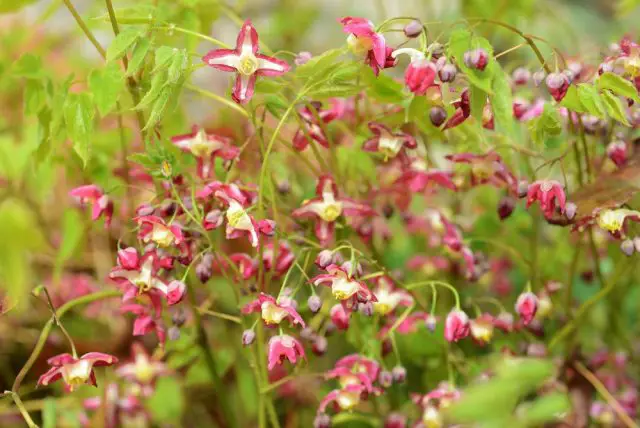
{"points": [[311, 126], [344, 286], [283, 347], [389, 144], [206, 147], [246, 62], [418, 177], [154, 229], [476, 58], [617, 152], [614, 221], [364, 41], [481, 328], [145, 322], [389, 297], [420, 73], [99, 201], [274, 311], [456, 326], [487, 168], [527, 306], [558, 85], [327, 206], [548, 193], [340, 316], [433, 403], [75, 371], [143, 370], [116, 409], [462, 112], [345, 398], [389, 60]]}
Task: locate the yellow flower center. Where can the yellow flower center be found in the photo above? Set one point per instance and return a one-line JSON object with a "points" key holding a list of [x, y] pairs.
{"points": [[144, 370], [359, 45], [348, 400], [248, 64], [611, 220], [331, 211], [200, 145], [272, 314], [162, 235]]}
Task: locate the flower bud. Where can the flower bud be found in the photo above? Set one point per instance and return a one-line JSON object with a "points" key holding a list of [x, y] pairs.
{"points": [[204, 269], [527, 306], [448, 73], [385, 378], [178, 317], [399, 374], [437, 115], [538, 77], [627, 247], [322, 420], [557, 84], [315, 303], [420, 74], [521, 76], [436, 50], [476, 59], [505, 207], [339, 317], [430, 322], [173, 333], [302, 58], [352, 270], [319, 346], [248, 336], [456, 326], [395, 420], [366, 309], [144, 210], [523, 188], [324, 259], [617, 152], [175, 292], [413, 29], [128, 258], [307, 333], [636, 243], [570, 210]]}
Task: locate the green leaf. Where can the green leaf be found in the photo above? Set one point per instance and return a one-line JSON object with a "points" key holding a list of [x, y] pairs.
{"points": [[477, 99], [276, 104], [614, 107], [44, 135], [14, 5], [546, 126], [268, 86], [177, 66], [167, 402], [78, 116], [157, 84], [572, 101], [590, 99], [57, 106], [618, 85], [529, 373], [461, 41], [319, 66], [502, 104], [486, 401], [49, 413], [382, 88], [72, 233], [546, 409], [28, 65], [140, 52], [335, 91], [163, 57], [159, 106], [106, 85], [35, 96], [122, 42]]}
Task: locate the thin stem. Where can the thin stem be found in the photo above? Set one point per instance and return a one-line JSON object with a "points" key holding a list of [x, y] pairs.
{"points": [[21, 408], [59, 324], [604, 392], [171, 28], [85, 29], [596, 257], [47, 329], [218, 98], [439, 283], [516, 47], [221, 315]]}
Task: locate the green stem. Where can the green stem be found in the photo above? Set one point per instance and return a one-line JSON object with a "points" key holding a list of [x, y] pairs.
{"points": [[59, 324], [85, 29], [439, 283], [21, 408], [264, 375], [218, 98]]}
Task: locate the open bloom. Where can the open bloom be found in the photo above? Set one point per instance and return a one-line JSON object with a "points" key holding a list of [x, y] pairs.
{"points": [[154, 229], [246, 62], [144, 322], [390, 144], [527, 306], [389, 297], [613, 221], [284, 347], [345, 398], [205, 147], [274, 311], [487, 168], [418, 177], [116, 409], [481, 329], [327, 206], [100, 202], [143, 370], [420, 73], [548, 192], [75, 371], [311, 128], [462, 112], [364, 41], [456, 326], [433, 403], [344, 287]]}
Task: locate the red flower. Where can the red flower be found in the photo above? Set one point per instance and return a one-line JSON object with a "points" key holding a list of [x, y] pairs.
{"points": [[312, 127], [548, 192], [246, 62], [364, 41], [487, 168], [144, 323], [527, 306], [481, 329], [389, 297], [456, 326], [143, 370], [462, 112], [417, 177], [327, 206], [154, 229], [617, 152], [344, 287], [558, 85], [388, 143], [274, 311], [389, 60], [205, 147], [100, 202], [340, 316], [420, 73], [75, 371], [284, 347]]}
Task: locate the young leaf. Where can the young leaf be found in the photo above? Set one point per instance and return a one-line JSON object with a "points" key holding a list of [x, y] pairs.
{"points": [[163, 57], [140, 52], [176, 66], [618, 85], [319, 66], [477, 99], [44, 135], [79, 114], [462, 41], [546, 126], [614, 107], [106, 85], [382, 88], [159, 106], [590, 99], [157, 83], [122, 42], [276, 104], [335, 91], [28, 65], [572, 101], [502, 103], [35, 96]]}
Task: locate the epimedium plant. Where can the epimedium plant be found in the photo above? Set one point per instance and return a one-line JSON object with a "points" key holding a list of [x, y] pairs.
{"points": [[349, 239]]}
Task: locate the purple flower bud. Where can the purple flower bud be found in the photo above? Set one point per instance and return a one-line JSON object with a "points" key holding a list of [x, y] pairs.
{"points": [[324, 259], [315, 303], [322, 420], [505, 207], [521, 76], [178, 317], [430, 323], [320, 345], [204, 269], [352, 270], [173, 333], [248, 336], [448, 73], [302, 58], [283, 187], [476, 58], [570, 210], [636, 243], [413, 29], [144, 210], [523, 188], [437, 115], [307, 333], [436, 49], [538, 77], [399, 374], [395, 420], [385, 378], [627, 247], [558, 85], [366, 309]]}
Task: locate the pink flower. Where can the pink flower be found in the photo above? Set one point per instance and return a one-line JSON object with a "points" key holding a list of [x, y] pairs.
{"points": [[344, 287], [558, 85], [100, 202], [548, 192], [154, 229], [481, 329], [284, 347], [487, 168], [144, 323], [246, 62], [388, 143], [617, 152], [389, 297], [389, 60], [340, 316], [456, 326], [420, 73], [205, 147], [116, 409], [75, 371], [143, 370], [418, 178], [363, 40], [357, 363], [527, 306], [345, 398], [311, 126], [462, 112], [274, 311], [327, 206]]}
